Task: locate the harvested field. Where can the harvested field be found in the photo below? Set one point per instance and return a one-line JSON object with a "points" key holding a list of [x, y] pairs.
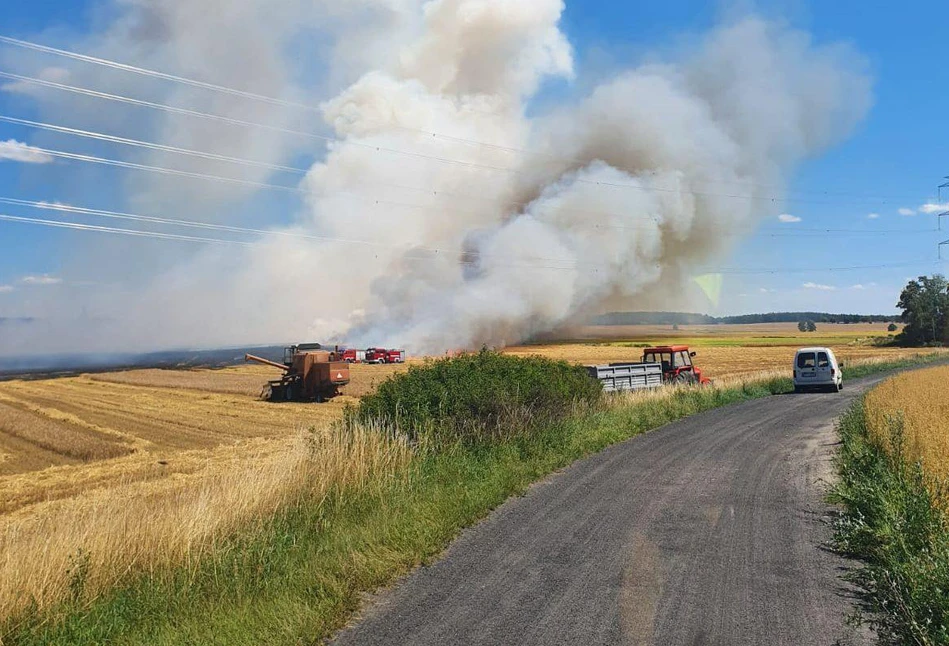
{"points": [[245, 380]]}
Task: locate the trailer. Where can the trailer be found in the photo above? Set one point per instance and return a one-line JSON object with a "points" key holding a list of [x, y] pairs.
{"points": [[627, 376]]}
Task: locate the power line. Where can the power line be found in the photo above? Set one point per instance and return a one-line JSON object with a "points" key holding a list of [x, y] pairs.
{"points": [[154, 74], [86, 134], [247, 162], [460, 260], [160, 106], [295, 189], [128, 232], [285, 103], [66, 208], [264, 185]]}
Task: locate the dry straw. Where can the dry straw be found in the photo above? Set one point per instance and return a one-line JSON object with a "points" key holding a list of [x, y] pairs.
{"points": [[114, 533]]}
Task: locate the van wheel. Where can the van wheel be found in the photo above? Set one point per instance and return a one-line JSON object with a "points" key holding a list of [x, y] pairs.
{"points": [[798, 390]]}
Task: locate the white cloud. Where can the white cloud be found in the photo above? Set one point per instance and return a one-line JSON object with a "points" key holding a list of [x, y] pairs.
{"points": [[51, 74], [873, 216], [787, 217], [934, 207], [858, 286], [6, 289], [18, 151], [765, 290], [825, 288], [905, 211], [45, 279]]}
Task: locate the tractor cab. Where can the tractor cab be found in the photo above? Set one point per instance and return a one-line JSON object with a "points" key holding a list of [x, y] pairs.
{"points": [[677, 366]]}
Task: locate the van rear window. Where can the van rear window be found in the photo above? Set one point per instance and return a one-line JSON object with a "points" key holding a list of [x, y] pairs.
{"points": [[823, 360], [806, 360]]}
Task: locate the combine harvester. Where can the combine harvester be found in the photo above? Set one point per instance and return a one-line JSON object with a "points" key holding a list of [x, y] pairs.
{"points": [[310, 373], [666, 364]]}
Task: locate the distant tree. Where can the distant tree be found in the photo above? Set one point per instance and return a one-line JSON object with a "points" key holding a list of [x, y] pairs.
{"points": [[892, 327], [925, 305], [807, 326], [675, 326]]}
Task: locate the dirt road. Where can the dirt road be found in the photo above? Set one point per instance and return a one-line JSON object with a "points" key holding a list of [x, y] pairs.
{"points": [[711, 530]]}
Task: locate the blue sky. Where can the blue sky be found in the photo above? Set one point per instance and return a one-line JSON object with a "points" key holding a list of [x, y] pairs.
{"points": [[894, 160]]}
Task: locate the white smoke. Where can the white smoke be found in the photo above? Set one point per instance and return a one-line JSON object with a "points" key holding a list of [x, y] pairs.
{"points": [[441, 242], [626, 190]]}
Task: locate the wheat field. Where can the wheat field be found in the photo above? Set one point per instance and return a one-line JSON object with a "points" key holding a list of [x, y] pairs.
{"points": [[920, 401]]}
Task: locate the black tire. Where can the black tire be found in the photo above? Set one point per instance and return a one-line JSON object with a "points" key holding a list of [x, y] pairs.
{"points": [[684, 379], [798, 390]]}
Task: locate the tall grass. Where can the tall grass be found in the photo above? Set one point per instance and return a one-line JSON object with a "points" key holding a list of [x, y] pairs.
{"points": [[79, 548], [893, 518]]}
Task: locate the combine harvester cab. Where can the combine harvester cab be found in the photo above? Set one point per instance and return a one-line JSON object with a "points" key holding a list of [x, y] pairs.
{"points": [[310, 374]]}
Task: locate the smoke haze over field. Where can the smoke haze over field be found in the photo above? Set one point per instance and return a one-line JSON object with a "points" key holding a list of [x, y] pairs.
{"points": [[431, 241]]}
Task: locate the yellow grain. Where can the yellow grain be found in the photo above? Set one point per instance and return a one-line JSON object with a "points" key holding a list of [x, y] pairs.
{"points": [[918, 400], [139, 527]]}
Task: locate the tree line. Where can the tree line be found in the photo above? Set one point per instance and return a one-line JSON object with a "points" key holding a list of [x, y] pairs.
{"points": [[688, 318]]}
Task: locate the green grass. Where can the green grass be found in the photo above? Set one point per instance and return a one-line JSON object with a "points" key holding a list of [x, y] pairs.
{"points": [[892, 522], [300, 577]]}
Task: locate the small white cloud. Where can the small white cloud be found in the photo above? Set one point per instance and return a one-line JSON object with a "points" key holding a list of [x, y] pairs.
{"points": [[17, 151], [934, 207], [858, 286], [825, 288], [787, 217], [905, 211], [6, 289], [873, 216], [44, 279], [51, 74], [765, 290]]}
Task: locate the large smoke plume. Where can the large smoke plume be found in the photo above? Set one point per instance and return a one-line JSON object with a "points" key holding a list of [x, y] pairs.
{"points": [[454, 215]]}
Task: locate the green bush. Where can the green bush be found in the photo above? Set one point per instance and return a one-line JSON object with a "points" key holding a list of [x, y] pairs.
{"points": [[478, 396]]}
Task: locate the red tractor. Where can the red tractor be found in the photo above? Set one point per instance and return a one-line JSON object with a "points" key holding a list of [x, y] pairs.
{"points": [[677, 366]]}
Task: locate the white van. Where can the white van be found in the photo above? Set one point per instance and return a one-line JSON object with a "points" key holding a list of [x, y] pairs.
{"points": [[817, 368]]}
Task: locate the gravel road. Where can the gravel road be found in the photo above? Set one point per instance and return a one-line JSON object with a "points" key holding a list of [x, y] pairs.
{"points": [[711, 530]]}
